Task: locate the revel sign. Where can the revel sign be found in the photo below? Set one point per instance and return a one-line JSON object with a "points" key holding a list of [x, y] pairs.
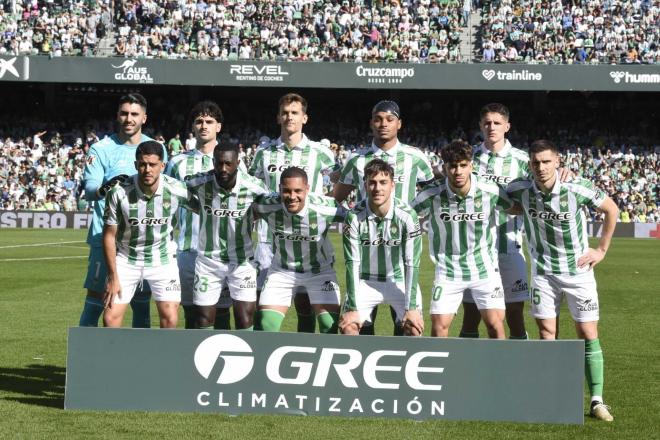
{"points": [[261, 372]]}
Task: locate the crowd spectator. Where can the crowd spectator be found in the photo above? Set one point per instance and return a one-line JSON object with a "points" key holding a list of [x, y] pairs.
{"points": [[580, 31]]}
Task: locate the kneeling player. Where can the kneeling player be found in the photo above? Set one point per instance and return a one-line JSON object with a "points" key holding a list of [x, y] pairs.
{"points": [[303, 255], [382, 248], [137, 241], [562, 262], [462, 230], [224, 252]]}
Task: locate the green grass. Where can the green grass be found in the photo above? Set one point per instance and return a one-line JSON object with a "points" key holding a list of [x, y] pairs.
{"points": [[41, 297]]}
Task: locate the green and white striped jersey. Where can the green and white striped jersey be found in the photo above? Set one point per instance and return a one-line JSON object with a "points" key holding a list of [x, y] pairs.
{"points": [[182, 167], [501, 168], [300, 240], [225, 217], [411, 167], [555, 223], [271, 160], [462, 231], [144, 224], [382, 249]]}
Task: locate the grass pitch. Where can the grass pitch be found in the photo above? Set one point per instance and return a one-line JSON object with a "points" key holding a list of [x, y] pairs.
{"points": [[42, 272]]}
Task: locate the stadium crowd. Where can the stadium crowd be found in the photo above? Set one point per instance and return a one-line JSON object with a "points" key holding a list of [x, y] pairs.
{"points": [[580, 32], [43, 171]]}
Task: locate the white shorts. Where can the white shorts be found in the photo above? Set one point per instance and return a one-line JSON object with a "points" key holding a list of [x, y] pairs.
{"points": [[580, 291], [513, 272], [370, 294], [186, 262], [281, 285], [164, 281], [263, 256], [210, 276], [447, 295]]}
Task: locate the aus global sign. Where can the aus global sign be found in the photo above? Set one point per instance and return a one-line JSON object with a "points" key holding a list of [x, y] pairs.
{"points": [[261, 372]]}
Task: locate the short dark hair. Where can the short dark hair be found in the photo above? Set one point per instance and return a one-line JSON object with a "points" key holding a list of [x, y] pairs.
{"points": [[494, 107], [292, 97], [377, 166], [292, 173], [542, 145], [150, 147], [133, 98], [456, 151], [222, 147], [206, 108]]}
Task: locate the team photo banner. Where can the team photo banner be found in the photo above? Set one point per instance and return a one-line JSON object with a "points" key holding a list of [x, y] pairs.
{"points": [[329, 375], [461, 76]]}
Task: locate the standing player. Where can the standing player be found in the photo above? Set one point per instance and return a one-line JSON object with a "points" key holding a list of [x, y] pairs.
{"points": [[562, 262], [108, 162], [497, 161], [411, 166], [224, 251], [206, 117], [137, 237], [292, 148], [462, 213], [382, 249], [303, 255]]}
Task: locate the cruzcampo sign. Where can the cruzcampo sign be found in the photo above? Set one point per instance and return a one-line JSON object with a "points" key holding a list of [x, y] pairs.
{"points": [[329, 375]]}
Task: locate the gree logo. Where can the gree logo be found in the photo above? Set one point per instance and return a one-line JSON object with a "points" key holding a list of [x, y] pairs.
{"points": [[236, 356]]}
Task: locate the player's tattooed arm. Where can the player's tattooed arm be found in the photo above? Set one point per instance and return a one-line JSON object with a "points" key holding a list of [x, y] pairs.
{"points": [[112, 287]]}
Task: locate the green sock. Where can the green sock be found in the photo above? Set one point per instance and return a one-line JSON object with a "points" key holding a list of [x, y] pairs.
{"points": [[328, 322], [269, 320], [594, 366], [523, 337], [306, 323], [463, 334], [222, 319]]}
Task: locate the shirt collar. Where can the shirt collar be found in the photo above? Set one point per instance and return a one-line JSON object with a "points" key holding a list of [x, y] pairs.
{"points": [[380, 152], [158, 192], [506, 149], [556, 188], [299, 146], [471, 191], [388, 216]]}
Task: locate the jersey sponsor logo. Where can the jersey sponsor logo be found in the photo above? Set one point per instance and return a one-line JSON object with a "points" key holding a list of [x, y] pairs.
{"points": [[380, 241], [148, 221], [462, 217], [497, 293], [173, 286], [294, 237], [236, 355], [248, 283], [273, 168], [500, 180], [549, 215], [587, 305], [224, 212], [399, 179]]}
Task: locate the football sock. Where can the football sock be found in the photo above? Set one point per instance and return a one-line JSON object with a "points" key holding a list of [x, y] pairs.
{"points": [[92, 311], [463, 334], [222, 319], [189, 316], [523, 337], [306, 323], [593, 367], [328, 322], [141, 315], [269, 320]]}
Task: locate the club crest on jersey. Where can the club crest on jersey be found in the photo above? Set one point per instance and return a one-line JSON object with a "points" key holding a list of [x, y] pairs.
{"points": [[563, 203], [549, 215], [394, 229], [148, 221], [478, 204]]}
